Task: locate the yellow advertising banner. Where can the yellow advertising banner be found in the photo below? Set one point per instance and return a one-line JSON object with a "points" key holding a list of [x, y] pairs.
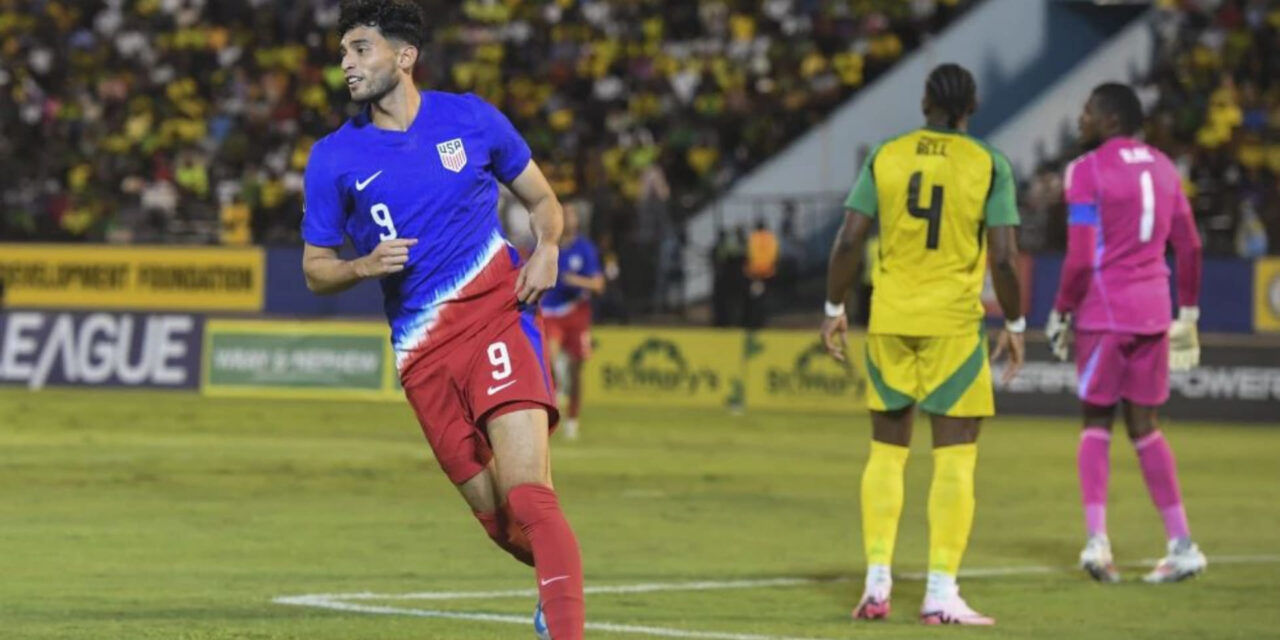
{"points": [[109, 277], [791, 370], [664, 367], [1266, 295]]}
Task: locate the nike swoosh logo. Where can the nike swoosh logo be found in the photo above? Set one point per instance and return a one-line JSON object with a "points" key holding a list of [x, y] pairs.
{"points": [[361, 184], [493, 390], [555, 579]]}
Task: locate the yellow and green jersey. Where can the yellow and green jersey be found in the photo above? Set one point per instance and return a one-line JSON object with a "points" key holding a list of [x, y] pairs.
{"points": [[934, 193]]}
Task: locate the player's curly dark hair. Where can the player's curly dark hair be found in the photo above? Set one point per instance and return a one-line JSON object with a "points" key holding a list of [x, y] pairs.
{"points": [[402, 20], [951, 88], [1120, 100]]}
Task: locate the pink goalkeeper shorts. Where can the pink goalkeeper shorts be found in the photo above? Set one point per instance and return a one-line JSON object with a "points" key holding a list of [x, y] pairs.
{"points": [[1128, 366]]}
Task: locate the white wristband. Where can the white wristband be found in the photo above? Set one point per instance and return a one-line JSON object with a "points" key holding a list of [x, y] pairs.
{"points": [[833, 310], [1189, 314], [1016, 326]]}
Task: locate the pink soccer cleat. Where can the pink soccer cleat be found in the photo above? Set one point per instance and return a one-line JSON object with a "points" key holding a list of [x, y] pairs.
{"points": [[872, 606], [952, 610]]}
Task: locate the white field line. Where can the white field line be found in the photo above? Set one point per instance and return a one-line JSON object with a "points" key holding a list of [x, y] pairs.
{"points": [[340, 601], [660, 632], [706, 585]]}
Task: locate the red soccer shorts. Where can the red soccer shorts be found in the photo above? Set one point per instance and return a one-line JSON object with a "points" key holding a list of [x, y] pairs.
{"points": [[501, 369], [1131, 366], [572, 331]]}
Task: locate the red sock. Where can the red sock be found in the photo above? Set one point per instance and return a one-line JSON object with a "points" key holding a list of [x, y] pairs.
{"points": [[504, 531], [559, 564], [575, 403]]}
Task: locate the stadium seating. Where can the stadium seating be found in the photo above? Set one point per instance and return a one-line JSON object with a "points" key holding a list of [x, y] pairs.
{"points": [[190, 120], [1214, 107]]}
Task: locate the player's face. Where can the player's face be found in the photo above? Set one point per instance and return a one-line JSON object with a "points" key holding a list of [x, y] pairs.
{"points": [[369, 62], [1090, 124]]}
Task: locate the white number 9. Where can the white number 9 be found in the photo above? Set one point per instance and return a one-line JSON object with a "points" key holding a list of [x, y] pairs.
{"points": [[500, 359], [382, 217]]}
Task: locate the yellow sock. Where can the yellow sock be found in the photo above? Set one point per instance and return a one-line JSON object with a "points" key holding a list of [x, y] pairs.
{"points": [[882, 501], [951, 505]]}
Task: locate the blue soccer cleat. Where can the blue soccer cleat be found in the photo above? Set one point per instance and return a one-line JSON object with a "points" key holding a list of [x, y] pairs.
{"points": [[540, 623]]}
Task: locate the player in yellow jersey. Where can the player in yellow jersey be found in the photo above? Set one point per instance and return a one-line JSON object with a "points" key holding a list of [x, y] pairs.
{"points": [[941, 198]]}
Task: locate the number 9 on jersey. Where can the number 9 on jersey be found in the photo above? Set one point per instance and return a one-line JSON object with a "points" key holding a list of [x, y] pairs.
{"points": [[382, 217]]}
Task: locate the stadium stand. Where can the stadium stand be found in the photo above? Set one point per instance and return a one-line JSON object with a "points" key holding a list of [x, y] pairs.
{"points": [[1214, 106], [190, 120]]}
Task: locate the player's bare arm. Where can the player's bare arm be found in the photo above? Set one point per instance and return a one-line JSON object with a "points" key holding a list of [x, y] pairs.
{"points": [[327, 274], [842, 270], [1004, 275], [547, 220], [594, 284]]}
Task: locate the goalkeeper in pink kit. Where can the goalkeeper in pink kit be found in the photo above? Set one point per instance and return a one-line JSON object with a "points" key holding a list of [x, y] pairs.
{"points": [[1126, 204]]}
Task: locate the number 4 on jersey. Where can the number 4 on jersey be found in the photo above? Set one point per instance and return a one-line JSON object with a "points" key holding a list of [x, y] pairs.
{"points": [[933, 215]]}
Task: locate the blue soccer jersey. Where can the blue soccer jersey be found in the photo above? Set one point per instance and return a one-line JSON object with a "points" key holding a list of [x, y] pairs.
{"points": [[580, 258], [436, 182]]}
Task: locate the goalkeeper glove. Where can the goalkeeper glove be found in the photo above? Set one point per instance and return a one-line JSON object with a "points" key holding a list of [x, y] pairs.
{"points": [[1058, 330], [1184, 341]]}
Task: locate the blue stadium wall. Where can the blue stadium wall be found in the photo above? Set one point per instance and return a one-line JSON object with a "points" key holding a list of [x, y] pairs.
{"points": [[1227, 301], [287, 294], [1239, 296]]}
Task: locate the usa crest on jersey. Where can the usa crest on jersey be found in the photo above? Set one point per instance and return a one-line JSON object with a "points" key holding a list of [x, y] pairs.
{"points": [[452, 155]]}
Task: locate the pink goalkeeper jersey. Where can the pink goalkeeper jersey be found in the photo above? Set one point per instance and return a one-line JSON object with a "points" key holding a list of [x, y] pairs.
{"points": [[1126, 204]]}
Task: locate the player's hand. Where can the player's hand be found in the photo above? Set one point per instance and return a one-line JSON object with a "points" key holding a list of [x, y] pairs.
{"points": [[1184, 340], [1016, 347], [834, 329], [538, 274], [1058, 330], [387, 258]]}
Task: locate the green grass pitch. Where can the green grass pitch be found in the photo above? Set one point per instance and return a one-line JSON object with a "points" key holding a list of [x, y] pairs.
{"points": [[140, 516]]}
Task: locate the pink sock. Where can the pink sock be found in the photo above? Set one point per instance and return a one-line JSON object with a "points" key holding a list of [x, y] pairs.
{"points": [[1161, 473], [555, 552], [1094, 463]]}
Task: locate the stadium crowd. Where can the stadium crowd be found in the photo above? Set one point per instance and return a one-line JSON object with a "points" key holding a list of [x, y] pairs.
{"points": [[191, 120], [1213, 102]]}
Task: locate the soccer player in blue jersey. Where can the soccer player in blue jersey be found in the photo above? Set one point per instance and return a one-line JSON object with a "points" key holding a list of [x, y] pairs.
{"points": [[567, 309], [412, 181]]}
